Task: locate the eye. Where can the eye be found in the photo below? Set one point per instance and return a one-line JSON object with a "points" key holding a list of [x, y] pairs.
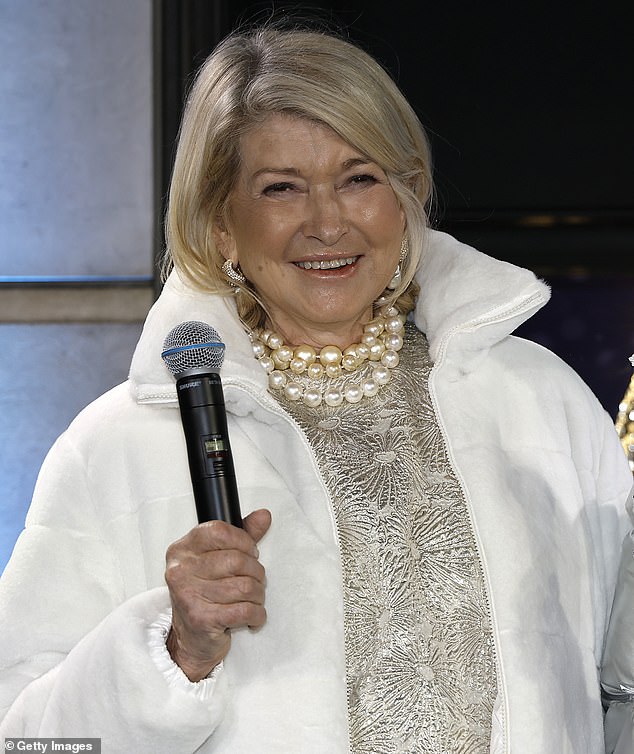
{"points": [[278, 188], [362, 178]]}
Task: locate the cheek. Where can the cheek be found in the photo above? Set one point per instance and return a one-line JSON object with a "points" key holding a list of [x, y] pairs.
{"points": [[265, 234], [263, 269], [383, 218]]}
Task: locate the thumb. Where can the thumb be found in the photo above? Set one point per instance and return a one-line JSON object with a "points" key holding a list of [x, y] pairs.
{"points": [[256, 524]]}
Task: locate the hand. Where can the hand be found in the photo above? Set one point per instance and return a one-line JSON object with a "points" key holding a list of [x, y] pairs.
{"points": [[216, 583]]}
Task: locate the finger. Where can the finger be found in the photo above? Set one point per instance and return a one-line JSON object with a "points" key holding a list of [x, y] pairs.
{"points": [[256, 524], [216, 535], [205, 552], [199, 619], [219, 535], [214, 564], [234, 615], [233, 590]]}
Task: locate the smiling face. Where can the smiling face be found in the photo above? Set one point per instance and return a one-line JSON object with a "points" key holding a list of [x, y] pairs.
{"points": [[315, 227]]}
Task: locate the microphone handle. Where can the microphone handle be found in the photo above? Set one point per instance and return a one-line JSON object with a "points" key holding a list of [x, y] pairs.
{"points": [[204, 419]]}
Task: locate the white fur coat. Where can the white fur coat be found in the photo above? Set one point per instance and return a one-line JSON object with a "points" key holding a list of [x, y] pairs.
{"points": [[545, 480]]}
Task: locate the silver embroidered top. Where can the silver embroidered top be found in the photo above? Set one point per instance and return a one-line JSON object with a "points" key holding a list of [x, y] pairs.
{"points": [[419, 649]]}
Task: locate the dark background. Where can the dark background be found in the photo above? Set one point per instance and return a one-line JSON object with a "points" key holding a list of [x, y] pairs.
{"points": [[529, 112]]}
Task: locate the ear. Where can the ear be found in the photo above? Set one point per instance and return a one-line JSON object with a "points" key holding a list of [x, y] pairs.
{"points": [[223, 239], [403, 219]]}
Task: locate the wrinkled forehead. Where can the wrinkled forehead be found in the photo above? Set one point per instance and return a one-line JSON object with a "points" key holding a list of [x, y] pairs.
{"points": [[290, 142]]}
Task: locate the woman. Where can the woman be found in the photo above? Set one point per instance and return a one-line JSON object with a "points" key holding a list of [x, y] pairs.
{"points": [[434, 507]]}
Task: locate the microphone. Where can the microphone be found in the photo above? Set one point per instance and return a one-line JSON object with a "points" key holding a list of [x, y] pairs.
{"points": [[193, 352]]}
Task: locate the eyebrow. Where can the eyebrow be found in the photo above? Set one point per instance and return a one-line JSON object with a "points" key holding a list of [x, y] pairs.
{"points": [[353, 162]]}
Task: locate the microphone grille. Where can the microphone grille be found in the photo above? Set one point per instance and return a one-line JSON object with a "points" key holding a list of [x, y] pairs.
{"points": [[193, 345]]}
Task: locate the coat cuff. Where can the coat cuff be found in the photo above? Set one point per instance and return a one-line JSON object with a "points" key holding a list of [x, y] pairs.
{"points": [[157, 637]]}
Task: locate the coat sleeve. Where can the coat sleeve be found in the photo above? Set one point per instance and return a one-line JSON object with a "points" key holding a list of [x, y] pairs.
{"points": [[617, 671], [75, 658]]}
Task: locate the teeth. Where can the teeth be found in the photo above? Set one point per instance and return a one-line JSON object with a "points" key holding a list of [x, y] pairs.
{"points": [[328, 264]]}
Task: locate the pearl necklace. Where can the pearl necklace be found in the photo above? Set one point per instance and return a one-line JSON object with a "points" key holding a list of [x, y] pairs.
{"points": [[302, 371]]}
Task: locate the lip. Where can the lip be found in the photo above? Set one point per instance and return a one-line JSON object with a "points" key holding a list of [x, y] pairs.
{"points": [[328, 264]]}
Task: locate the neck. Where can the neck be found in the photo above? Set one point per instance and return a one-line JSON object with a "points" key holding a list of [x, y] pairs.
{"points": [[340, 335]]}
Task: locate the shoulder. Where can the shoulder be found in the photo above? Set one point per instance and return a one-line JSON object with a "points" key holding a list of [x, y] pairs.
{"points": [[537, 362], [115, 428], [539, 377]]}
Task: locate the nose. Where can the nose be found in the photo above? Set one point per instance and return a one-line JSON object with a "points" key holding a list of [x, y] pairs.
{"points": [[325, 217]]}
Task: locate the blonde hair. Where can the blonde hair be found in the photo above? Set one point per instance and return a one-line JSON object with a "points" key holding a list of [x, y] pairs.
{"points": [[301, 72]]}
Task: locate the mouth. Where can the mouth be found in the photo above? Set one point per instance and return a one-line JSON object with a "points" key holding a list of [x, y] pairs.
{"points": [[326, 264]]}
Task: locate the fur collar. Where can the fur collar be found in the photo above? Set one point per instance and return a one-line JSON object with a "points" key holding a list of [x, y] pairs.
{"points": [[467, 303]]}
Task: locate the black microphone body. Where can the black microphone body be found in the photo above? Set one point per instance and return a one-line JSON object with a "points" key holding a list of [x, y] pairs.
{"points": [[204, 419], [193, 352]]}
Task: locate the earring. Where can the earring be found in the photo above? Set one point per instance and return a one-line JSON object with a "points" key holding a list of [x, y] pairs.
{"points": [[236, 278], [404, 249], [396, 278]]}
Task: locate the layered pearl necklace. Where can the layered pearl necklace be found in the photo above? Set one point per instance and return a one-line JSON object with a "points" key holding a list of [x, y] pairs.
{"points": [[311, 375]]}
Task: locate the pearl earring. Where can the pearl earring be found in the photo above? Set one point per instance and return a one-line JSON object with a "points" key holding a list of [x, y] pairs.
{"points": [[236, 278], [396, 278]]}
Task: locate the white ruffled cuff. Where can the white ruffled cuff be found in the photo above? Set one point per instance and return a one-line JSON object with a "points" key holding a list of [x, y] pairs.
{"points": [[157, 636]]}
